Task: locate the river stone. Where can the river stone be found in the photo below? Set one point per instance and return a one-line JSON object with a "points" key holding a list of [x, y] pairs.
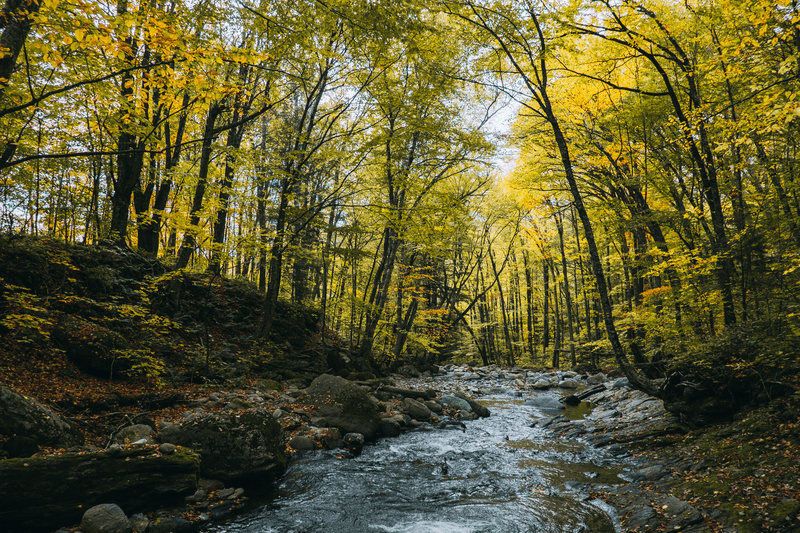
{"points": [[456, 403], [301, 442], [106, 518], [476, 408], [434, 406], [132, 434], [232, 446], [596, 379], [354, 442], [389, 427], [621, 383], [415, 409], [541, 384], [344, 405], [25, 416], [568, 384], [140, 523], [545, 403]]}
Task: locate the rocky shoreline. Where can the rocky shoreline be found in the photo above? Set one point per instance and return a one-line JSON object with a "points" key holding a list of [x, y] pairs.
{"points": [[226, 438]]}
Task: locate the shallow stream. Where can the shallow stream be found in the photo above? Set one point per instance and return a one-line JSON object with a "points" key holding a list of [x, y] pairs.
{"points": [[499, 476]]}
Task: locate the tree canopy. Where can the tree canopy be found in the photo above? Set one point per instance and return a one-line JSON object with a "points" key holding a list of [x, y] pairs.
{"points": [[522, 182]]}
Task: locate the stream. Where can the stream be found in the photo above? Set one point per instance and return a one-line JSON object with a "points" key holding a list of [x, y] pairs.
{"points": [[497, 475]]}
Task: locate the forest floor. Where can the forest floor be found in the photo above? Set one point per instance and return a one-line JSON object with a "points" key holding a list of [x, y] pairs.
{"points": [[751, 464]]}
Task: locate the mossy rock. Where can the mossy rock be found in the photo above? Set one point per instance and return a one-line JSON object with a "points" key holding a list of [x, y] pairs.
{"points": [[344, 405], [249, 444], [41, 493]]}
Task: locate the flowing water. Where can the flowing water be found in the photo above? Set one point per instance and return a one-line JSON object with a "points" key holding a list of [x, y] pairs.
{"points": [[499, 475]]}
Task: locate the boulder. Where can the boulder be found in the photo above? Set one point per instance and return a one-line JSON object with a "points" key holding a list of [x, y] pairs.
{"points": [[408, 371], [302, 443], [596, 379], [568, 384], [541, 384], [344, 405], [545, 403], [92, 347], [106, 518], [232, 446], [476, 408], [415, 409], [354, 443], [24, 416], [456, 403], [47, 492], [135, 433]]}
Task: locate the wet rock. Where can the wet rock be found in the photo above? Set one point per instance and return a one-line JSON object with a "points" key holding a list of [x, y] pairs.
{"points": [[650, 473], [24, 416], [389, 428], [248, 444], [354, 443], [434, 406], [545, 403], [572, 400], [105, 518], [415, 409], [620, 383], [344, 405], [541, 384], [456, 403], [568, 384], [475, 407]]}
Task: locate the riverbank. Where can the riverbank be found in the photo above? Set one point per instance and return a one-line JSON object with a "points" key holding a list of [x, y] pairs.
{"points": [[737, 476]]}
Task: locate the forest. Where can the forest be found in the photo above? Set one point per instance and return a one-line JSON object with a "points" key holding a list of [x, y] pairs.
{"points": [[520, 182]]}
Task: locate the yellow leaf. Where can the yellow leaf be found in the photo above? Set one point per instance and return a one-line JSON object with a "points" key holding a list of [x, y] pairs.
{"points": [[79, 34]]}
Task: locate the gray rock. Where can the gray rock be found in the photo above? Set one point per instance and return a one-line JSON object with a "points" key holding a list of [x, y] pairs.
{"points": [[247, 444], [167, 448], [24, 416], [140, 523], [302, 443], [131, 434], [164, 525], [408, 371], [106, 518], [476, 408], [415, 409], [456, 403], [545, 403], [344, 405], [650, 473], [596, 379], [621, 383], [434, 406], [197, 497], [568, 384], [541, 384]]}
